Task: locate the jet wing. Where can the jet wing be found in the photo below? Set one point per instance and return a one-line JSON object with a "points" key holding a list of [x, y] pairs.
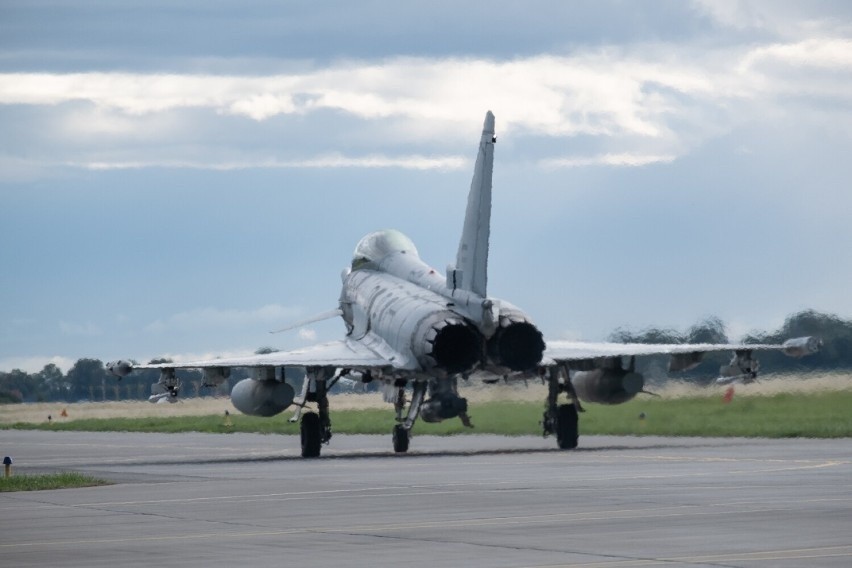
{"points": [[558, 351], [347, 353]]}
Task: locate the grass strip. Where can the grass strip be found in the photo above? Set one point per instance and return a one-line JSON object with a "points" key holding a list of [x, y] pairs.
{"points": [[63, 480], [820, 415]]}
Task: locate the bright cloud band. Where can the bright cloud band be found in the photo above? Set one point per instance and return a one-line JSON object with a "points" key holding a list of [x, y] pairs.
{"points": [[646, 103]]}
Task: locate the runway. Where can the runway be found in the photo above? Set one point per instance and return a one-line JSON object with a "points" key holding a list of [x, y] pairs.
{"points": [[196, 500]]}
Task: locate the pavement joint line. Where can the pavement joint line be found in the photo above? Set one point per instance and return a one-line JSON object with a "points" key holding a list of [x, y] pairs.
{"points": [[621, 514], [765, 555]]}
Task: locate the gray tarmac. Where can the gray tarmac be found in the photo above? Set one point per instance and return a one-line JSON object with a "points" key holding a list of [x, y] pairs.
{"points": [[194, 500]]}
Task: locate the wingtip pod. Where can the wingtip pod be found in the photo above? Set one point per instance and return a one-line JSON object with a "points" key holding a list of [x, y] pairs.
{"points": [[802, 346], [119, 368]]}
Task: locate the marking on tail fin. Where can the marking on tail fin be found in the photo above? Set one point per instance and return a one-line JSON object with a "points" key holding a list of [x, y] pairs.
{"points": [[472, 256]]}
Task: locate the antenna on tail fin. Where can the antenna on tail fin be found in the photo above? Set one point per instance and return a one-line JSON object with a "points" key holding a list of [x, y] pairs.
{"points": [[471, 270]]}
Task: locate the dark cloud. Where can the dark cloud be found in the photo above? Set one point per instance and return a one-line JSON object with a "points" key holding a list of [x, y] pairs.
{"points": [[145, 35]]}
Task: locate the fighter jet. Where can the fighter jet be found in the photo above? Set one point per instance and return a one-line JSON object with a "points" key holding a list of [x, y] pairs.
{"points": [[419, 331]]}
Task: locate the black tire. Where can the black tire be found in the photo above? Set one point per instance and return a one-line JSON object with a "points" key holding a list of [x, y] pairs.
{"points": [[400, 439], [567, 427], [311, 435]]}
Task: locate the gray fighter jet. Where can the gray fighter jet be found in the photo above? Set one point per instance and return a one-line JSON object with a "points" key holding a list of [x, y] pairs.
{"points": [[418, 331]]}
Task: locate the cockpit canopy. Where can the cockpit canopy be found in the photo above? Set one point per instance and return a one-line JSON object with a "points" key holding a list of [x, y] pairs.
{"points": [[376, 246]]}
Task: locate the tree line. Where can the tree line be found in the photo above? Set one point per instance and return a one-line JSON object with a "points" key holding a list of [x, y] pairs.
{"points": [[835, 353], [88, 380]]}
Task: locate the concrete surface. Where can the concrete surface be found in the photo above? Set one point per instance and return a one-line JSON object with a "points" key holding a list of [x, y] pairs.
{"points": [[200, 500]]}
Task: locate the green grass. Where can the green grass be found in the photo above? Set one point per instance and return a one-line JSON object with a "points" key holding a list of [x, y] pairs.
{"points": [[48, 481], [821, 415], [825, 415]]}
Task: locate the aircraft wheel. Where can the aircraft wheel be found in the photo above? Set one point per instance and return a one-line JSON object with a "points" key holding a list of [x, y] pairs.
{"points": [[567, 427], [311, 432], [400, 439]]}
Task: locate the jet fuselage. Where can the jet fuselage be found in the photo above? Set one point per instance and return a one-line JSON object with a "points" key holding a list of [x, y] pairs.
{"points": [[390, 292]]}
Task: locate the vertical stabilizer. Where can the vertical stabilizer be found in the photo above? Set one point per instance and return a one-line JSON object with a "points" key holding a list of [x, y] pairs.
{"points": [[472, 257]]}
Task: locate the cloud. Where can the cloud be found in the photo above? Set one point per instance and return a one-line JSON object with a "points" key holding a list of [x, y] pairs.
{"points": [[307, 334], [321, 162], [642, 103], [626, 160], [36, 363], [210, 317], [582, 94], [829, 53], [785, 18]]}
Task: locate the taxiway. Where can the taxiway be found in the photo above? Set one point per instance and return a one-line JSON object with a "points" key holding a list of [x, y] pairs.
{"points": [[229, 500]]}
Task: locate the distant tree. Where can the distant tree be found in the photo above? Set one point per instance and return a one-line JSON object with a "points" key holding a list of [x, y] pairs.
{"points": [[10, 396], [835, 333], [649, 335], [709, 330], [88, 377], [655, 367], [20, 386], [11, 384], [54, 383]]}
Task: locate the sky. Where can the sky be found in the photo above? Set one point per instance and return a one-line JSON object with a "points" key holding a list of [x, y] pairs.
{"points": [[176, 179]]}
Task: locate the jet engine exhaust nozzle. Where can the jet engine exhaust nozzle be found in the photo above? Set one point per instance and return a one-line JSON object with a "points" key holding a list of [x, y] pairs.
{"points": [[456, 347], [518, 346]]}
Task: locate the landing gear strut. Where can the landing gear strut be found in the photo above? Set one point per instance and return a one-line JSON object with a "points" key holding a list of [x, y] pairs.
{"points": [[405, 421], [314, 427], [561, 419]]}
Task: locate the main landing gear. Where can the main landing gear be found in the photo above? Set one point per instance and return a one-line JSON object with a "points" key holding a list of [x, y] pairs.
{"points": [[311, 430], [561, 419], [405, 421], [443, 403], [401, 437], [314, 427]]}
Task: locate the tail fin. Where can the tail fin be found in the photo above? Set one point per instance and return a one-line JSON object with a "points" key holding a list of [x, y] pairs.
{"points": [[472, 257]]}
